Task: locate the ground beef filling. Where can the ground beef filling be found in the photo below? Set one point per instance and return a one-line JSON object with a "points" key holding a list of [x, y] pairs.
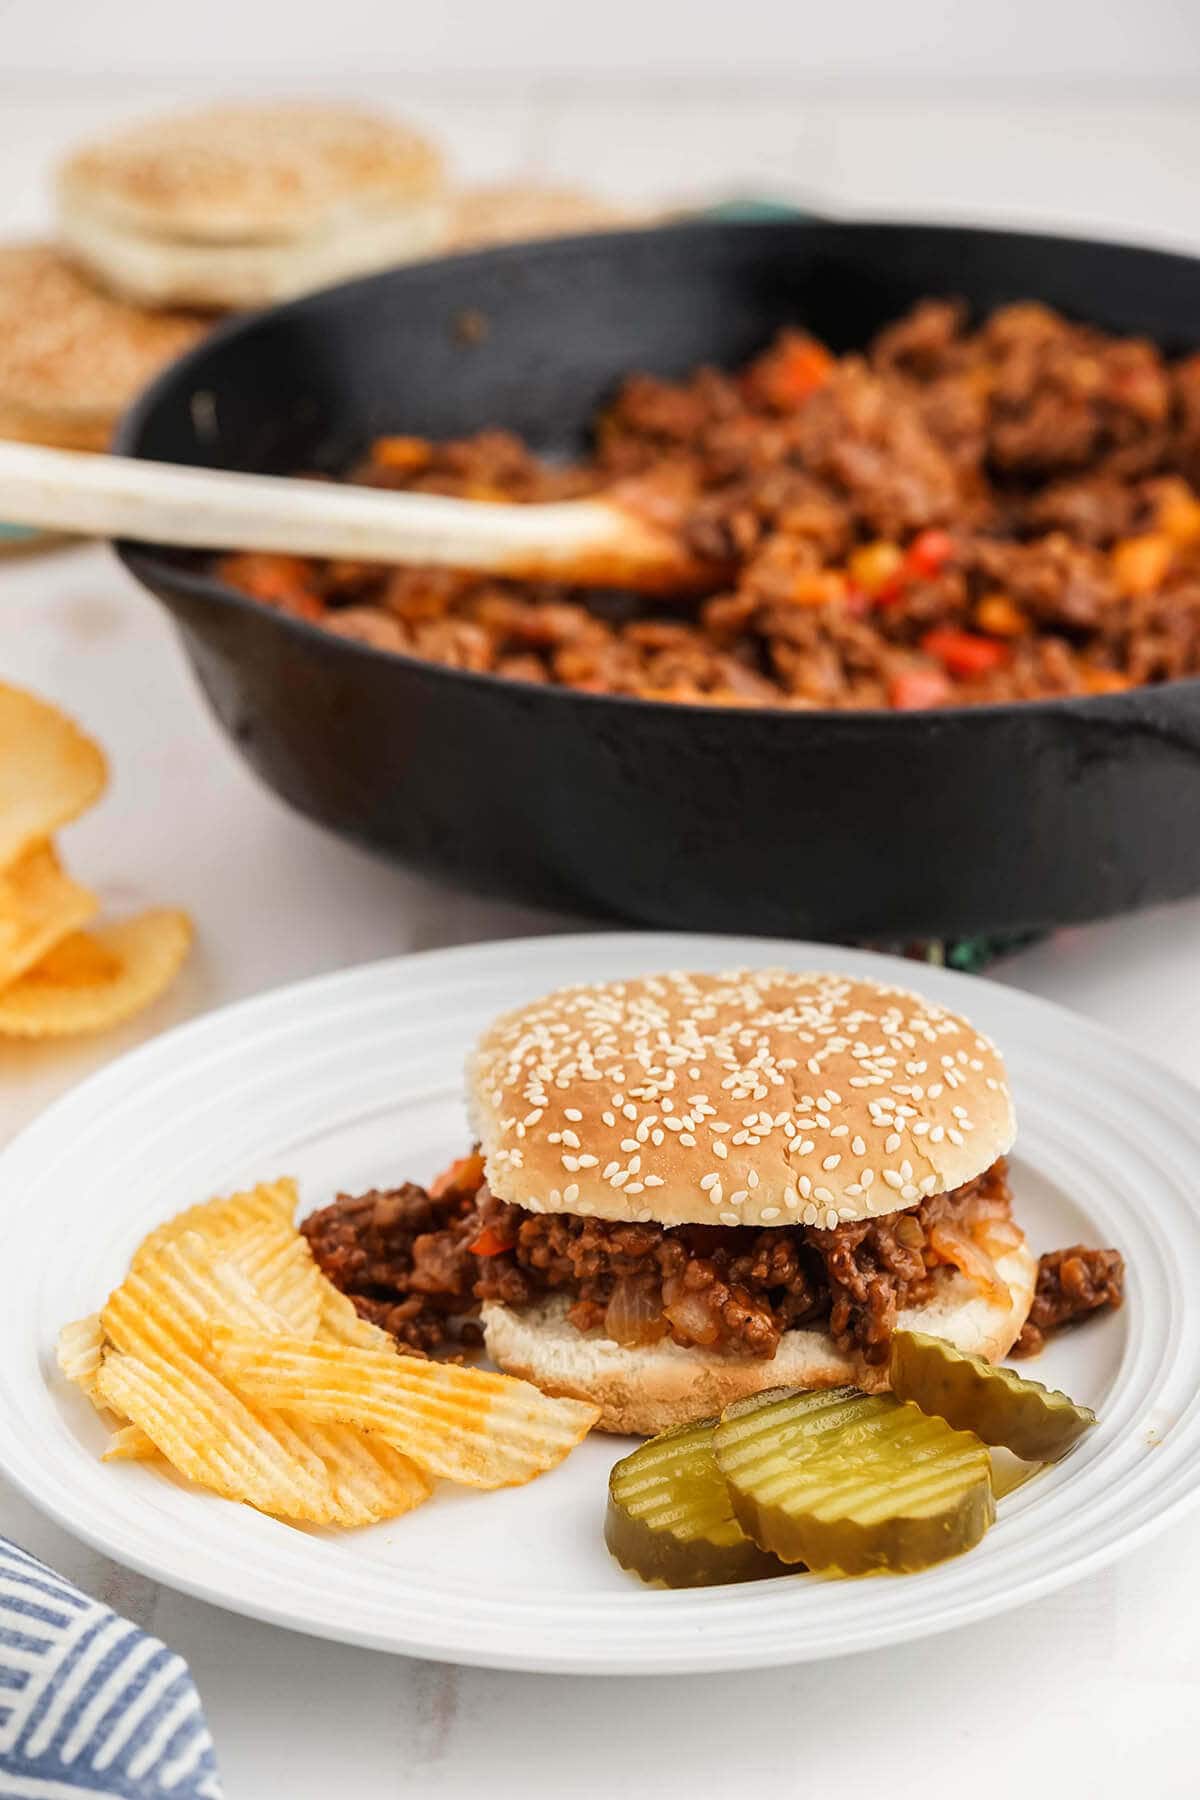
{"points": [[419, 1264], [1071, 1284]]}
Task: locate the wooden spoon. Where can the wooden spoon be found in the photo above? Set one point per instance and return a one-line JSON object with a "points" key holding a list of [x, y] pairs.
{"points": [[587, 543]]}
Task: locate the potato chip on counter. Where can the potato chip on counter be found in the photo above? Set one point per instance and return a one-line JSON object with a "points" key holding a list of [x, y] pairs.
{"points": [[99, 979], [56, 978], [226, 1352], [50, 772]]}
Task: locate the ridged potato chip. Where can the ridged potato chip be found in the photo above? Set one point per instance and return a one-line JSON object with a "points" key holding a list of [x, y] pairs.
{"points": [[341, 1323], [278, 1261], [217, 1439], [173, 1293], [96, 979], [129, 1443], [79, 1350], [468, 1425], [371, 1481], [39, 906], [230, 1217], [50, 771], [254, 1229], [159, 1322]]}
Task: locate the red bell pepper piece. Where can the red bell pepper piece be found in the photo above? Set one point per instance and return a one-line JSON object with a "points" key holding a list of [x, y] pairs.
{"points": [[913, 689], [488, 1243], [928, 554], [964, 653]]}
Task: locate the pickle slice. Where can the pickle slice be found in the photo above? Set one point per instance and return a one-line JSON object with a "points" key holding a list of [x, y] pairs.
{"points": [[855, 1484], [1036, 1423], [669, 1516]]}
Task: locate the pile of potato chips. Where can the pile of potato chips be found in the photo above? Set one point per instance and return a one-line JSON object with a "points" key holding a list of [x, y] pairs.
{"points": [[228, 1352], [56, 978]]}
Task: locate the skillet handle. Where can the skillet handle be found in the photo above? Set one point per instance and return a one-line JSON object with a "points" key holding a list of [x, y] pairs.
{"points": [[748, 210]]}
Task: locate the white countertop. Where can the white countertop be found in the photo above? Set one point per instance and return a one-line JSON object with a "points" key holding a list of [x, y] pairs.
{"points": [[1090, 1692]]}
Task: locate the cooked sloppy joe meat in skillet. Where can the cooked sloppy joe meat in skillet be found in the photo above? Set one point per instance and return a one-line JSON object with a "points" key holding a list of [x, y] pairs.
{"points": [[959, 514], [419, 1262]]}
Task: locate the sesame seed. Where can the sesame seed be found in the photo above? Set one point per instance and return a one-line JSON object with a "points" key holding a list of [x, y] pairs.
{"points": [[628, 1144], [859, 1147], [572, 1112], [893, 1179], [710, 1181], [571, 1194], [892, 1142], [687, 1140], [831, 1162], [752, 1178], [769, 1213], [719, 1149]]}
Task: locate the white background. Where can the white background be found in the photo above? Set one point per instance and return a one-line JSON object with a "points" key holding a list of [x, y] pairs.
{"points": [[1079, 114], [528, 40]]}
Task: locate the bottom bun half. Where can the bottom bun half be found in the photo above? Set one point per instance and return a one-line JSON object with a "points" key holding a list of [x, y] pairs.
{"points": [[647, 1390]]}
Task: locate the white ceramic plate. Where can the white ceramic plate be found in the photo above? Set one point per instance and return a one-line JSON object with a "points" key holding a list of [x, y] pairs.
{"points": [[355, 1079]]}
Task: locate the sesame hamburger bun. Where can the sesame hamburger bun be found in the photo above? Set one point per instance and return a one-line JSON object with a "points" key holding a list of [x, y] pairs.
{"points": [[758, 1097], [510, 212], [243, 205], [661, 1385], [72, 357]]}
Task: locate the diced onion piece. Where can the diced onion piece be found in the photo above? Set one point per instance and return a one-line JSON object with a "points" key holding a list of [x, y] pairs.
{"points": [[634, 1314]]}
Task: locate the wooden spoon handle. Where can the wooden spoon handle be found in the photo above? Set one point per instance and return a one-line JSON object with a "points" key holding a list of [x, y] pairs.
{"points": [[590, 543]]}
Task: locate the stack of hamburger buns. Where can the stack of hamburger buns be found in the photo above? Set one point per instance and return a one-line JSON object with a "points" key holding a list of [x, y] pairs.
{"points": [[167, 225]]}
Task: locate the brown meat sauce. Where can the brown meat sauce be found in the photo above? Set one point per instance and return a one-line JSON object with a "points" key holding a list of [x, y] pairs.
{"points": [[420, 1266], [959, 514]]}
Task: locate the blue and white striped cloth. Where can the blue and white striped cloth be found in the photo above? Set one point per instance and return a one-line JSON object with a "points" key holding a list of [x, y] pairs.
{"points": [[90, 1706]]}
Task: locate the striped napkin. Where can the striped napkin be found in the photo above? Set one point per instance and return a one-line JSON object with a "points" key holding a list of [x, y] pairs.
{"points": [[90, 1706]]}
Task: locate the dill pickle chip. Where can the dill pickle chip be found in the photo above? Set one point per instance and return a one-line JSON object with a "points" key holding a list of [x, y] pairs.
{"points": [[670, 1520], [1003, 1408], [854, 1484]]}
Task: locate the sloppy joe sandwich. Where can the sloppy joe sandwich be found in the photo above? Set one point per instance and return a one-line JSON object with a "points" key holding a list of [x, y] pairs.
{"points": [[244, 205], [690, 1188], [72, 357]]}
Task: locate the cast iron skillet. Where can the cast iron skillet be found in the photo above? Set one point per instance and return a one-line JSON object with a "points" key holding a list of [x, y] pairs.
{"points": [[817, 824]]}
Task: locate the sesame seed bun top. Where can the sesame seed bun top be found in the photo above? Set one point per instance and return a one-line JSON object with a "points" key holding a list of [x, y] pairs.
{"points": [[245, 173], [72, 357], [758, 1097], [517, 210]]}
